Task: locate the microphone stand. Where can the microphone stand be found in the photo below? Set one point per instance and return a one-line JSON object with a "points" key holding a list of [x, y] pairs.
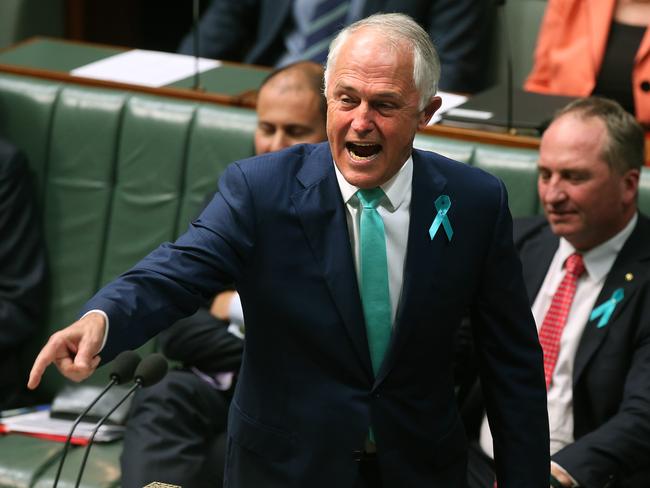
{"points": [[138, 384], [66, 446], [195, 43], [509, 71]]}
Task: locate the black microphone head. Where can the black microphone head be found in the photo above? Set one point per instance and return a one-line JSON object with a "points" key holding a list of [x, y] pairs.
{"points": [[151, 370], [124, 366]]}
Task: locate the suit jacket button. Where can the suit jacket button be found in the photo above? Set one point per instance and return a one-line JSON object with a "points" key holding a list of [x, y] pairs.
{"points": [[357, 455]]}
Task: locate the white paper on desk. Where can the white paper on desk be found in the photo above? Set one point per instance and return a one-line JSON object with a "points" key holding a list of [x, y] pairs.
{"points": [[449, 101], [41, 423], [148, 68]]}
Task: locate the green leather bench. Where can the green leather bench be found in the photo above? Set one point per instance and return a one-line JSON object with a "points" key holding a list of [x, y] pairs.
{"points": [[116, 174]]}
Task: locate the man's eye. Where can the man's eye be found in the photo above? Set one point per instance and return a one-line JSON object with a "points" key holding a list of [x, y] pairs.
{"points": [[297, 131], [266, 129]]}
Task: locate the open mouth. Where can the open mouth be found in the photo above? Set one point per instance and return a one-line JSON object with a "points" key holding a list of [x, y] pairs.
{"points": [[363, 152]]}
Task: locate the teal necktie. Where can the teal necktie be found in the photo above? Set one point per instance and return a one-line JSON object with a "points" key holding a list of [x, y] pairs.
{"points": [[375, 296]]}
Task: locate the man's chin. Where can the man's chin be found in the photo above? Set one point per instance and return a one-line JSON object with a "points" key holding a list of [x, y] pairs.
{"points": [[562, 227]]}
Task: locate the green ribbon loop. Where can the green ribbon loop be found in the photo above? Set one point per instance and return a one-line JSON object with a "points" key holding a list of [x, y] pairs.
{"points": [[606, 309], [442, 203]]}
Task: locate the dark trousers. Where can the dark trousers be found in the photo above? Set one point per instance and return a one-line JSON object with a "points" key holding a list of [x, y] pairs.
{"points": [[480, 468], [369, 476], [176, 434]]}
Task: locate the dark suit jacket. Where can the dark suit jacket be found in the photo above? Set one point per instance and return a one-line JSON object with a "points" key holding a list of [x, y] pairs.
{"points": [[22, 269], [306, 393], [611, 377], [252, 31]]}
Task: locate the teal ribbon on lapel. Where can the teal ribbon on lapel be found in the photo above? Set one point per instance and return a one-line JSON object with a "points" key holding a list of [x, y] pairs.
{"points": [[442, 203], [606, 309]]}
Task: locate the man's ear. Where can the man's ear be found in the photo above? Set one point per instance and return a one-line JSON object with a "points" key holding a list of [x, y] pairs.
{"points": [[429, 110], [630, 186]]}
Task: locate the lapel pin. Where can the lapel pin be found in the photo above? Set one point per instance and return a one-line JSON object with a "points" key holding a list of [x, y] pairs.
{"points": [[629, 276], [605, 309], [442, 203]]}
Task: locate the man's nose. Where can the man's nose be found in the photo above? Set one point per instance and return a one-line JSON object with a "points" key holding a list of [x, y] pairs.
{"points": [[554, 191], [362, 122], [279, 141]]}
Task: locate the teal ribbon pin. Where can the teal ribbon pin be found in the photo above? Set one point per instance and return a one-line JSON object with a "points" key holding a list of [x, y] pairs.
{"points": [[442, 204], [605, 310]]}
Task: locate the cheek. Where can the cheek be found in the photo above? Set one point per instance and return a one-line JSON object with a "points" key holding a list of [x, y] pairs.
{"points": [[261, 143]]}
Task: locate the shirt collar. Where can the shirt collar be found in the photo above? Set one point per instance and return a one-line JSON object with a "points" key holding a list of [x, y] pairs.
{"points": [[599, 260], [396, 189]]}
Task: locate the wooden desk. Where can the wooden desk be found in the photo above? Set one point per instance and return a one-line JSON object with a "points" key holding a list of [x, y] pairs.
{"points": [[230, 83], [53, 59]]}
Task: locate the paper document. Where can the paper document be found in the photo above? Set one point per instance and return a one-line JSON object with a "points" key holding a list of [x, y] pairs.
{"points": [[148, 68], [40, 423], [449, 101]]}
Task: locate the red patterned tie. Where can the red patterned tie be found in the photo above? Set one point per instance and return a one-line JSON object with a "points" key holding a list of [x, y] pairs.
{"points": [[551, 331]]}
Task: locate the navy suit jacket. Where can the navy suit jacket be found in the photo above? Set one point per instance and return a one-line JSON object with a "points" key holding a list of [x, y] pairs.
{"points": [[252, 31], [306, 394], [611, 376]]}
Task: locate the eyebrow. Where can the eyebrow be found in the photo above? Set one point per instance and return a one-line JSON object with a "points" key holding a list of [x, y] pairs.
{"points": [[384, 95]]}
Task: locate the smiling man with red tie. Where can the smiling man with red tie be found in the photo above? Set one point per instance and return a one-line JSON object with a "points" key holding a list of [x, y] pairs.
{"points": [[587, 272]]}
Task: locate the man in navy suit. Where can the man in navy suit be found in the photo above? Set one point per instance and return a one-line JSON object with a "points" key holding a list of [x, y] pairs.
{"points": [[312, 407], [274, 32], [599, 389]]}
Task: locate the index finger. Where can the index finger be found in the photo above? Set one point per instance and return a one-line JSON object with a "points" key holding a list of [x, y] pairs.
{"points": [[46, 357]]}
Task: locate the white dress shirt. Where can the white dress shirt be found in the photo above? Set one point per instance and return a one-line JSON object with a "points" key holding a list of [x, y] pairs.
{"points": [[598, 262], [394, 210]]}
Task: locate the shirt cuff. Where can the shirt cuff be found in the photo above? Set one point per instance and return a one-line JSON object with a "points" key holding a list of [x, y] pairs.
{"points": [[235, 311], [103, 314]]}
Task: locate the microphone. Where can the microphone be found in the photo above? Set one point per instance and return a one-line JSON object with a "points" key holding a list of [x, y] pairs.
{"points": [[195, 44], [149, 372], [123, 369], [509, 74]]}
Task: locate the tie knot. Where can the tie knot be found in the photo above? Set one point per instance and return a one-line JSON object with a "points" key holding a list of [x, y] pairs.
{"points": [[575, 265], [370, 198]]}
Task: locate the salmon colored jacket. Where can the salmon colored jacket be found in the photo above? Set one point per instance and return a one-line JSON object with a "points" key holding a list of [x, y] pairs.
{"points": [[570, 49]]}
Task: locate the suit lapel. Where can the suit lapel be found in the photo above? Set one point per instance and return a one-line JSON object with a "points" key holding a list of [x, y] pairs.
{"points": [[320, 208], [631, 262], [420, 254]]}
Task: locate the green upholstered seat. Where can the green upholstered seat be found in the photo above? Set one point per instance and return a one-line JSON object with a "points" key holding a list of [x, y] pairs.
{"points": [[459, 150], [518, 170], [219, 136]]}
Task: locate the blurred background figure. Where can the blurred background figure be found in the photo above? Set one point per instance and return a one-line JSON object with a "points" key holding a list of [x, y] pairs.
{"points": [[600, 48], [585, 266], [22, 275], [277, 32], [176, 430]]}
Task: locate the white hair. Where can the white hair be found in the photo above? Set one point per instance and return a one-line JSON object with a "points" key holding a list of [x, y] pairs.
{"points": [[396, 28]]}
